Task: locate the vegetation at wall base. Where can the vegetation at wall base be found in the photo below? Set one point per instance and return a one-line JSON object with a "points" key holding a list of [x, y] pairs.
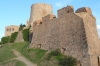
{"points": [[5, 40], [63, 60], [36, 55], [25, 33], [13, 37]]}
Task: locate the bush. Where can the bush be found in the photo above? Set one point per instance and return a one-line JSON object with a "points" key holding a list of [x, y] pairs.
{"points": [[13, 37], [53, 53], [67, 61], [5, 39], [25, 33], [62, 59]]}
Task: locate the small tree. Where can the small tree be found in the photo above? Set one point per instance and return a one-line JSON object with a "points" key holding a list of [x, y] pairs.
{"points": [[5, 39], [13, 37], [25, 33]]}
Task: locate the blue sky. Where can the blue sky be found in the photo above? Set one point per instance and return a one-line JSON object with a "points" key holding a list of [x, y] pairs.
{"points": [[15, 12]]}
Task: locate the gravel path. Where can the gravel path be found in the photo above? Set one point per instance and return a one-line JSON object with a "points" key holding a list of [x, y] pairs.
{"points": [[23, 59]]}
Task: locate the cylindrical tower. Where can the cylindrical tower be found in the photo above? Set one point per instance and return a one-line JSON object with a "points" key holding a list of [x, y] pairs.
{"points": [[38, 11]]}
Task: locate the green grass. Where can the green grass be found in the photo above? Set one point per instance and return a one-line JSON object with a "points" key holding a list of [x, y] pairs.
{"points": [[6, 53], [19, 63], [34, 55], [13, 63]]}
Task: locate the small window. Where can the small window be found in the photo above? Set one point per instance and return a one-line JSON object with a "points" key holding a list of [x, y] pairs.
{"points": [[99, 61], [7, 29], [39, 45], [67, 11], [12, 29], [63, 50], [40, 22], [79, 63]]}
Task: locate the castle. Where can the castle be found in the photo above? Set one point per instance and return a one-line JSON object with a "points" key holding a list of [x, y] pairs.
{"points": [[74, 34]]}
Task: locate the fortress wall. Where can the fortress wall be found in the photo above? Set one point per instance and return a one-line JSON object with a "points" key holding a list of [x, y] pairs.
{"points": [[74, 34], [72, 38], [38, 11], [64, 11], [92, 39], [67, 34]]}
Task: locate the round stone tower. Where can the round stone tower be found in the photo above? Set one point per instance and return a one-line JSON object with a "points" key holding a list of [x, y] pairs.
{"points": [[38, 11]]}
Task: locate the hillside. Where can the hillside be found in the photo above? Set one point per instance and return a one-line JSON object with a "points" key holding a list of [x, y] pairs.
{"points": [[37, 56]]}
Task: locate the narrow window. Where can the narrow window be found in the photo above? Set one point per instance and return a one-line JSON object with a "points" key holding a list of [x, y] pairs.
{"points": [[63, 50], [79, 63], [12, 29], [7, 29], [99, 61]]}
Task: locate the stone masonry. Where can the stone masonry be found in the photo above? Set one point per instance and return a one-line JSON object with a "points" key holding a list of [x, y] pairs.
{"points": [[11, 29], [38, 11], [74, 34]]}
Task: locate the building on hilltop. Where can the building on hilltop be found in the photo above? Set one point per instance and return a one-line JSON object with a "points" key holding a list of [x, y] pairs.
{"points": [[11, 29], [74, 34]]}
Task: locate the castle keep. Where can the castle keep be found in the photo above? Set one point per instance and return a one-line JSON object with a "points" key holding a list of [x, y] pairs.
{"points": [[38, 11], [74, 34]]}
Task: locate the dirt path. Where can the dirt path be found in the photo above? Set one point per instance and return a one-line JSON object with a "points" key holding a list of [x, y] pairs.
{"points": [[23, 59]]}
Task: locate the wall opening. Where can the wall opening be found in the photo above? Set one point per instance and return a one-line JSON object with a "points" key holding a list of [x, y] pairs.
{"points": [[40, 22], [99, 61], [79, 63], [39, 45], [67, 11], [63, 50]]}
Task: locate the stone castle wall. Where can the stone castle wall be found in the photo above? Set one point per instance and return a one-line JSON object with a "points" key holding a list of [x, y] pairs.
{"points": [[74, 34], [38, 11], [11, 29]]}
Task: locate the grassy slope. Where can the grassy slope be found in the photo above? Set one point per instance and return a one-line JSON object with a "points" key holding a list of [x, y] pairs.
{"points": [[13, 63], [37, 55], [34, 55], [6, 54]]}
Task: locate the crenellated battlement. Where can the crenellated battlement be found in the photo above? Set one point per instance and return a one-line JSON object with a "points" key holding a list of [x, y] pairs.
{"points": [[84, 9], [64, 11]]}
